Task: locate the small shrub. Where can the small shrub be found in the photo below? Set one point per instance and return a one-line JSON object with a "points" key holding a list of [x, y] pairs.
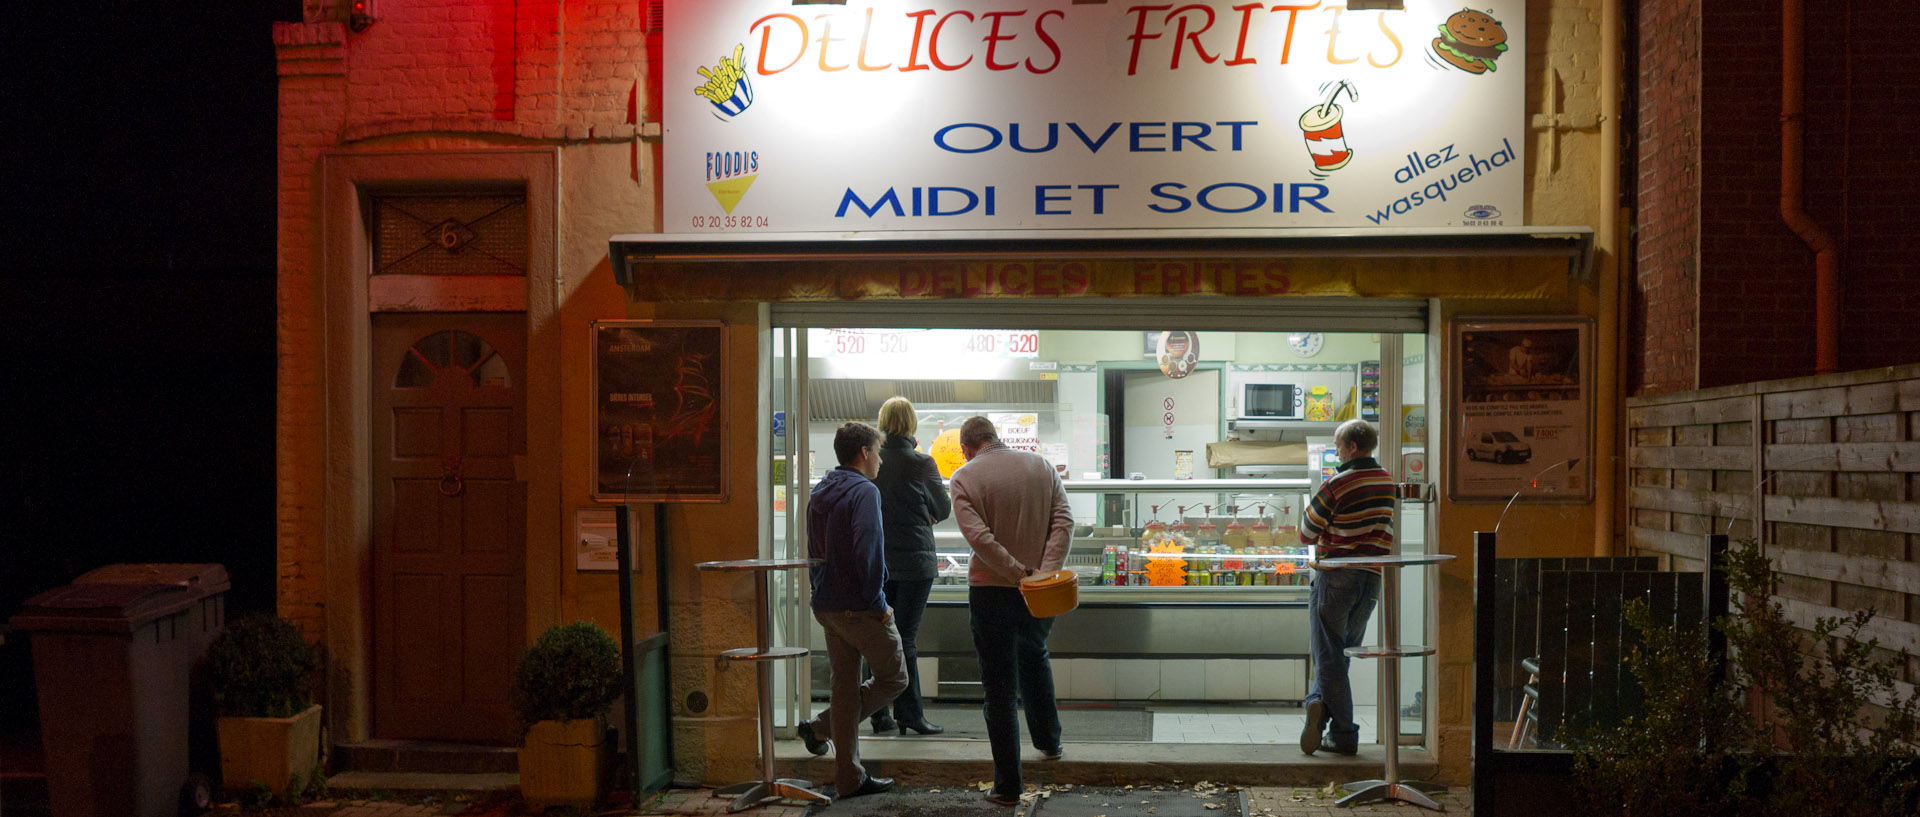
{"points": [[571, 672], [1838, 737], [256, 796], [262, 667], [317, 786]]}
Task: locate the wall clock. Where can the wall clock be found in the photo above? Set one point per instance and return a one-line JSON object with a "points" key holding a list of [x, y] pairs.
{"points": [[1305, 344]]}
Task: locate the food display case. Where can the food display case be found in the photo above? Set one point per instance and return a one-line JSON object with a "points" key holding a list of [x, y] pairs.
{"points": [[1211, 534], [1225, 578]]}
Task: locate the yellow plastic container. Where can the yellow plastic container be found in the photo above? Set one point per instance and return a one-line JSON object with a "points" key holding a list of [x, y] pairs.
{"points": [[1051, 593]]}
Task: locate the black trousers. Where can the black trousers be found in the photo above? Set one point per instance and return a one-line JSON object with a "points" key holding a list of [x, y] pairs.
{"points": [[1013, 659], [908, 598]]}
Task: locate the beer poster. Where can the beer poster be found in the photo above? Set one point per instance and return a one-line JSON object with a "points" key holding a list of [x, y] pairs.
{"points": [[1521, 427], [838, 118], [658, 419]]}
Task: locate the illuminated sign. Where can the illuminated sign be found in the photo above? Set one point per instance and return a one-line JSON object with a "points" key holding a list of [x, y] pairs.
{"points": [[1046, 114]]}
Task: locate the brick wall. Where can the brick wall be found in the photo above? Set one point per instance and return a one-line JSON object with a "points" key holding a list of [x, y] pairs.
{"points": [[312, 106], [1871, 175], [1756, 277], [531, 62], [1668, 195], [533, 70], [1755, 303]]}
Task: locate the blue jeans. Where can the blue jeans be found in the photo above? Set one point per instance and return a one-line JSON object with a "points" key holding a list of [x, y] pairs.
{"points": [[908, 598], [1337, 611], [1012, 645]]}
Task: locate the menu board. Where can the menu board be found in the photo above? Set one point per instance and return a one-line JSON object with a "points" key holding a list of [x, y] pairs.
{"points": [[658, 395]]}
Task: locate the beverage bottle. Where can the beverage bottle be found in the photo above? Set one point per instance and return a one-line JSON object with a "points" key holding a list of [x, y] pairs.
{"points": [[1106, 565]]}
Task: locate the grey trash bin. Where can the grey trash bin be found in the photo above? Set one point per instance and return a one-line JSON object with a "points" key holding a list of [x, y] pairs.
{"points": [[114, 656]]}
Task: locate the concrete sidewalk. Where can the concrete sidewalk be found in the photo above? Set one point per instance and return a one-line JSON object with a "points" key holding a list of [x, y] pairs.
{"points": [[1199, 799]]}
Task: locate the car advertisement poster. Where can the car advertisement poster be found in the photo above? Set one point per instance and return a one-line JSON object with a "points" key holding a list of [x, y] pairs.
{"points": [[784, 118], [1521, 420]]}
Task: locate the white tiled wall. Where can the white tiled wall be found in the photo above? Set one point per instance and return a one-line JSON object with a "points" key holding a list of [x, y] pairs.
{"points": [[1183, 680], [1228, 679], [1091, 679], [1136, 680]]}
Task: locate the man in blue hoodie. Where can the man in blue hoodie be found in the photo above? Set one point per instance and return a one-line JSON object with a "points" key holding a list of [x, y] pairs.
{"points": [[844, 531]]}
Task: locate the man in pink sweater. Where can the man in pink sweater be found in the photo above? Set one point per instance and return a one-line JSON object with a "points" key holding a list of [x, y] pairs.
{"points": [[1013, 512]]}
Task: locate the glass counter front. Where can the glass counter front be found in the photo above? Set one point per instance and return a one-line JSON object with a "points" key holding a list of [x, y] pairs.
{"points": [[1203, 540]]}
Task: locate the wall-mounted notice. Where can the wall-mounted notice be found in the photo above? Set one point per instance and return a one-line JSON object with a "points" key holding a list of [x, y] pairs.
{"points": [[657, 400], [1051, 114]]}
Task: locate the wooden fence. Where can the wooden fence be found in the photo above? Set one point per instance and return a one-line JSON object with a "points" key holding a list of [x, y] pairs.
{"points": [[1823, 471]]}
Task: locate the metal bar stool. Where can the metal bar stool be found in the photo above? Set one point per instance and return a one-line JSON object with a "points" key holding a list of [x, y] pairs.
{"points": [[1390, 786], [768, 788]]}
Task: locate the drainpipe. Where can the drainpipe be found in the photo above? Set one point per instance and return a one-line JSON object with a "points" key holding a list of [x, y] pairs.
{"points": [[1611, 385], [1826, 263]]}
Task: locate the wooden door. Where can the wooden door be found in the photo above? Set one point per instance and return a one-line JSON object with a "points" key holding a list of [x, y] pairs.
{"points": [[449, 577]]}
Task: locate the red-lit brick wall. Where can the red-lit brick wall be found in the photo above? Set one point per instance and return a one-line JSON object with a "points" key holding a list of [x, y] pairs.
{"points": [[426, 74], [1667, 197], [530, 63], [1755, 283], [312, 106]]}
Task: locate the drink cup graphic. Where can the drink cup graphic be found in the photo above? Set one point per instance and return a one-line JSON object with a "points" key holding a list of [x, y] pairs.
{"points": [[1326, 139]]}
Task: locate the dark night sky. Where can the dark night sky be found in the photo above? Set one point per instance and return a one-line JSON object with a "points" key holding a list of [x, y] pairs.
{"points": [[136, 278], [140, 136]]}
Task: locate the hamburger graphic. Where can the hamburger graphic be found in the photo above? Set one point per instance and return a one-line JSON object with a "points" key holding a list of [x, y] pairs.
{"points": [[1471, 41]]}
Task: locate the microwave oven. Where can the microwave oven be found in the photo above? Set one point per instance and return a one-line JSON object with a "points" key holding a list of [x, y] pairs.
{"points": [[1270, 401]]}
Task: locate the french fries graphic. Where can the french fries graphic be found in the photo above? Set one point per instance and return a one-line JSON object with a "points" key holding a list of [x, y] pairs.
{"points": [[727, 86]]}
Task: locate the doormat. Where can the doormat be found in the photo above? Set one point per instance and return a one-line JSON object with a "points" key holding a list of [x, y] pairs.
{"points": [[1050, 801], [1076, 724], [1203, 800]]}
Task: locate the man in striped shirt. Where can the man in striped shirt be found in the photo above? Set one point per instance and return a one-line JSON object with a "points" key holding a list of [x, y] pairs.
{"points": [[1351, 515]]}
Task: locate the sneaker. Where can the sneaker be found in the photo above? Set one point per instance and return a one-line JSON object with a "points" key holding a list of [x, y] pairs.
{"points": [[1055, 753], [1316, 724], [815, 744], [1341, 750]]}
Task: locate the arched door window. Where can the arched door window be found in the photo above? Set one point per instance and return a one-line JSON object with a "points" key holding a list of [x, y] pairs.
{"points": [[452, 351]]}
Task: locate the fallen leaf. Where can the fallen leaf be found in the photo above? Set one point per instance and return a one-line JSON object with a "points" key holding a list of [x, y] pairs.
{"points": [[933, 791], [987, 786], [1213, 805]]}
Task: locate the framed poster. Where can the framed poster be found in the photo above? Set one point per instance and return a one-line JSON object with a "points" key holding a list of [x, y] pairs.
{"points": [[1520, 428], [657, 411]]}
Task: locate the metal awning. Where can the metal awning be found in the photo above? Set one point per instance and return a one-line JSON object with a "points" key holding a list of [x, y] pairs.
{"points": [[1388, 262]]}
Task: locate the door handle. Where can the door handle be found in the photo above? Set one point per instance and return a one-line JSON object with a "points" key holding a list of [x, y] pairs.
{"points": [[450, 484]]}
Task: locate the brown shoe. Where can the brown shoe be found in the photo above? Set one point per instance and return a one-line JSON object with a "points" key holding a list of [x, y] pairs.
{"points": [[1316, 724]]}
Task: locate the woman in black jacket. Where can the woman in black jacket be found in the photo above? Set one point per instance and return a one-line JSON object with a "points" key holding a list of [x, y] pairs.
{"points": [[913, 499]]}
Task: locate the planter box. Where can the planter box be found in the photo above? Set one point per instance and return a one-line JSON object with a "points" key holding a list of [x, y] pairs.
{"points": [[562, 764], [269, 750]]}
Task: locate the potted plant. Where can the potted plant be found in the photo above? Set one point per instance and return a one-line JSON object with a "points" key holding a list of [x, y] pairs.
{"points": [[562, 687], [261, 669]]}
